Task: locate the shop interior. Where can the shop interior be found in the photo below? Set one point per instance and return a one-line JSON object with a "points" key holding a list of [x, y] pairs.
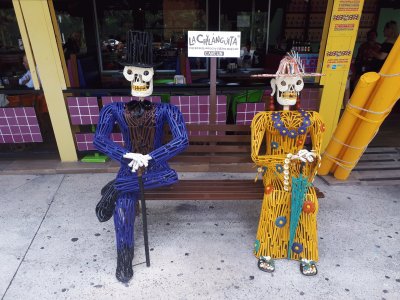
{"points": [[93, 34]]}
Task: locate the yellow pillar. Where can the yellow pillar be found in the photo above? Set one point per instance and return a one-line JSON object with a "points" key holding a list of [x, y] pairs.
{"points": [[342, 35], [379, 105], [41, 36], [343, 134]]}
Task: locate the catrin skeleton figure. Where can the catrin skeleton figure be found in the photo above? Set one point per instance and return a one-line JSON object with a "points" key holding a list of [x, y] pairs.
{"points": [[141, 123], [286, 148]]}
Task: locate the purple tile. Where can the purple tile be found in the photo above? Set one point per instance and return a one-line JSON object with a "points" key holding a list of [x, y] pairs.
{"points": [[25, 129], [35, 129], [3, 122], [73, 110], [95, 120], [75, 120], [8, 139], [5, 130], [84, 111], [15, 130], [18, 139], [72, 101], [79, 138], [3, 112], [19, 111], [12, 121], [22, 121], [37, 138], [85, 120]]}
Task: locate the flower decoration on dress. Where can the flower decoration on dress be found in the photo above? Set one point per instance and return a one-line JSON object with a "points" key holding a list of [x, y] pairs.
{"points": [[302, 130], [279, 168], [299, 142], [283, 131], [308, 207], [280, 221], [292, 133], [268, 189], [274, 145], [278, 124], [260, 170], [297, 248], [323, 128]]}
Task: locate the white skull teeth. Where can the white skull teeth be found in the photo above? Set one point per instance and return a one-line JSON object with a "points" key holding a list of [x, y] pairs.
{"points": [[288, 95]]}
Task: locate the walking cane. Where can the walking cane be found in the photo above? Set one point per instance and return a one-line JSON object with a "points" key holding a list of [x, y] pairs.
{"points": [[144, 215]]}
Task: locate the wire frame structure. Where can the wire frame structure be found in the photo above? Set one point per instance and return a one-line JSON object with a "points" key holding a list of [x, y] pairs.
{"points": [[274, 136]]}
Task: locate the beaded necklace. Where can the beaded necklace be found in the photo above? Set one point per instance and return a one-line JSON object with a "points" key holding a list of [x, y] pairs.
{"points": [[292, 133]]}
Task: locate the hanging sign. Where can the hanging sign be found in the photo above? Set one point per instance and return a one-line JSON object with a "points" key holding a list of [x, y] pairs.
{"points": [[214, 43]]}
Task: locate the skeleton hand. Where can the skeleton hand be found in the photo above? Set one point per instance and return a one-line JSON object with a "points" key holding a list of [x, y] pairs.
{"points": [[305, 155], [138, 160]]}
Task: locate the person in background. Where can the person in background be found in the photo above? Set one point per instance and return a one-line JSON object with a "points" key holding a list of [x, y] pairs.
{"points": [[73, 44], [391, 32], [26, 79], [246, 55], [364, 54]]}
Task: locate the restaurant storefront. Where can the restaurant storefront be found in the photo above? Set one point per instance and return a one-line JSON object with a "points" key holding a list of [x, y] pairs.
{"points": [[76, 47]]}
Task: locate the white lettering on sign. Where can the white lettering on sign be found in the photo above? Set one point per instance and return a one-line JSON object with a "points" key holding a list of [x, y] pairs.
{"points": [[214, 43]]}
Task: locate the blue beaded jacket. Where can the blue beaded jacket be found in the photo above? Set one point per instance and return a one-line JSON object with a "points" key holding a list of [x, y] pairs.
{"points": [[151, 130]]}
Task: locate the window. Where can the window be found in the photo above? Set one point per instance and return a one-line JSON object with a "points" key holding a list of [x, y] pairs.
{"points": [[167, 20]]}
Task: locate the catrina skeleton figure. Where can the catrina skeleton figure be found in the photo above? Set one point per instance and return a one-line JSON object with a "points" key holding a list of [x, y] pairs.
{"points": [[286, 148]]}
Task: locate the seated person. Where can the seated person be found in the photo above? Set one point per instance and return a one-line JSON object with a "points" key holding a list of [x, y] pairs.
{"points": [[26, 79], [245, 55]]}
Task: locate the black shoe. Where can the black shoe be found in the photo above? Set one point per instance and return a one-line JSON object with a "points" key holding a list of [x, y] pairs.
{"points": [[124, 270], [105, 207]]}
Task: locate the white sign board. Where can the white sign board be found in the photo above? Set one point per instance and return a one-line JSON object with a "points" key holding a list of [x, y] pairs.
{"points": [[214, 43]]}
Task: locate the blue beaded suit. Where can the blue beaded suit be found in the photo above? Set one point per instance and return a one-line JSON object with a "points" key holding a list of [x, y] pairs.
{"points": [[142, 126]]}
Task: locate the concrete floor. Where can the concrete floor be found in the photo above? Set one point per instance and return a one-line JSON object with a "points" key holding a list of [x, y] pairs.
{"points": [[53, 247]]}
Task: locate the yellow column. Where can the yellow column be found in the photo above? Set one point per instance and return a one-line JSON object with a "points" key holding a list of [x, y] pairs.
{"points": [[343, 134], [41, 34], [383, 98], [342, 35]]}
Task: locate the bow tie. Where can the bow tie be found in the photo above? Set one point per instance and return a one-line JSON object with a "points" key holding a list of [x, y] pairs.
{"points": [[137, 108]]}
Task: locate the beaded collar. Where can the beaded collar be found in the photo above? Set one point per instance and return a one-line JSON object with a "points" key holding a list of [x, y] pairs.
{"points": [[292, 133]]}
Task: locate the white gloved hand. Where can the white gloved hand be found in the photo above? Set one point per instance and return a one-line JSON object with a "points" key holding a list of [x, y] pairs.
{"points": [[138, 160], [304, 155]]}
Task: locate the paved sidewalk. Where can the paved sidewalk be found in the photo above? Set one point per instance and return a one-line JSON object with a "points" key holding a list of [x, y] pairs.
{"points": [[53, 247]]}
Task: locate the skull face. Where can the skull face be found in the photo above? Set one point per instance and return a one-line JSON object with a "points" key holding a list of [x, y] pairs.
{"points": [[141, 80], [288, 88]]}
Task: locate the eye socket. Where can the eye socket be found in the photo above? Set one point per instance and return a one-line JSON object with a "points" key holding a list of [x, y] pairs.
{"points": [[145, 73], [299, 82], [283, 83], [129, 71]]}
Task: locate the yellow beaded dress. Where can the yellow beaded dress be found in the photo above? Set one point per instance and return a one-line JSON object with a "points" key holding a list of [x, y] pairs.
{"points": [[276, 136]]}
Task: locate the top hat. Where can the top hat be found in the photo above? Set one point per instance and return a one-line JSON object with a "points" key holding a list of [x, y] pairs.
{"points": [[290, 66], [139, 49]]}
